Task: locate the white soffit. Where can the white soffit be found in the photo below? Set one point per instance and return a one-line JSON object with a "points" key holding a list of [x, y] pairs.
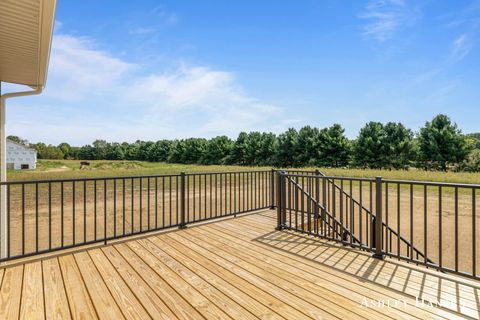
{"points": [[26, 29]]}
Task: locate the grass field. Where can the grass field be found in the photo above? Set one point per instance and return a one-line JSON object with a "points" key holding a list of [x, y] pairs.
{"points": [[59, 169]]}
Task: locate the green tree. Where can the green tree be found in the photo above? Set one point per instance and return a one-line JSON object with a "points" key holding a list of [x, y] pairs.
{"points": [[218, 150], [176, 152], [472, 163], [48, 151], [19, 140], [307, 152], [115, 152], [398, 147], [476, 139], [442, 144], [239, 149], [66, 150], [334, 149], [286, 147], [368, 146], [266, 153], [253, 143], [159, 151]]}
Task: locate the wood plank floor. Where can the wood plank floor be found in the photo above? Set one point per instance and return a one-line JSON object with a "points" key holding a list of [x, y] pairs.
{"points": [[238, 268]]}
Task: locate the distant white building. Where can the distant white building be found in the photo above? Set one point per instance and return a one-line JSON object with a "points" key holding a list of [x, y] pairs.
{"points": [[20, 157]]}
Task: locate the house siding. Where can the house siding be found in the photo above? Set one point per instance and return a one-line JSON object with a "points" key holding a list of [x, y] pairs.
{"points": [[18, 155]]}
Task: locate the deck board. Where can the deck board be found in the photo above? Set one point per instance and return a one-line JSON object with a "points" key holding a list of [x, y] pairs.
{"points": [[229, 269], [150, 300], [128, 303], [56, 305], [416, 282], [11, 292], [81, 306], [32, 304]]}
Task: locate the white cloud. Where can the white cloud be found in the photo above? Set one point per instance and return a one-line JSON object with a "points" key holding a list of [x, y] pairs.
{"points": [[78, 70], [92, 94], [385, 17], [460, 48]]}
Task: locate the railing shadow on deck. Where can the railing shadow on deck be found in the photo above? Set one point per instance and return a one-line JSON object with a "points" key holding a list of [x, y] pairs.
{"points": [[457, 294]]}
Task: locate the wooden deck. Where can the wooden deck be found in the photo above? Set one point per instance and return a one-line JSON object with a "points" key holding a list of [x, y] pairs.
{"points": [[238, 268]]}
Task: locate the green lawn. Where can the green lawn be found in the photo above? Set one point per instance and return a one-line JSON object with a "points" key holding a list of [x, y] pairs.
{"points": [[58, 169]]}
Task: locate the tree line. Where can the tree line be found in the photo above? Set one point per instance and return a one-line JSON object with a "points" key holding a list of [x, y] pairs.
{"points": [[438, 145]]}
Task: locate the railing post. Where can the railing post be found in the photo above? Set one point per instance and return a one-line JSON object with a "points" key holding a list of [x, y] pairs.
{"points": [[280, 200], [377, 222], [183, 223], [324, 215], [317, 198], [272, 189]]}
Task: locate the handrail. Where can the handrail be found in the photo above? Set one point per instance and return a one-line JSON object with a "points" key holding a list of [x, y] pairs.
{"points": [[405, 241], [331, 180], [325, 211]]}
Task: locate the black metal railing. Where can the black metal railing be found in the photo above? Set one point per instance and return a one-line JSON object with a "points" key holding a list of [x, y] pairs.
{"points": [[427, 223], [48, 215]]}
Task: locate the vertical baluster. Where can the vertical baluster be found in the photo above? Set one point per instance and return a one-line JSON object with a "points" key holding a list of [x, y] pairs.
{"points": [[352, 228], [84, 212], [372, 231], [95, 209], [398, 219], [123, 206], [225, 195], [205, 195], [211, 194], [309, 212], [105, 211], [302, 217], [194, 196], [148, 203], [474, 233], [114, 208], [163, 201], [425, 222], [140, 203], [221, 194], [216, 195], [49, 216], [8, 223], [386, 236], [61, 214], [411, 221], [132, 221], [23, 218], [297, 208], [235, 192], [187, 178], [156, 203], [289, 202], [360, 212], [456, 229], [170, 199], [177, 199], [440, 262], [341, 209], [36, 216]]}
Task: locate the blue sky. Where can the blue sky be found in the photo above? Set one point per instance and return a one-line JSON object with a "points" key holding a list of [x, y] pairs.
{"points": [[144, 69]]}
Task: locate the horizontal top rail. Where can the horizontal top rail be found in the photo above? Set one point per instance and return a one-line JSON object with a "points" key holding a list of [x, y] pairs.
{"points": [[434, 183], [16, 182], [87, 179], [331, 177], [222, 172]]}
